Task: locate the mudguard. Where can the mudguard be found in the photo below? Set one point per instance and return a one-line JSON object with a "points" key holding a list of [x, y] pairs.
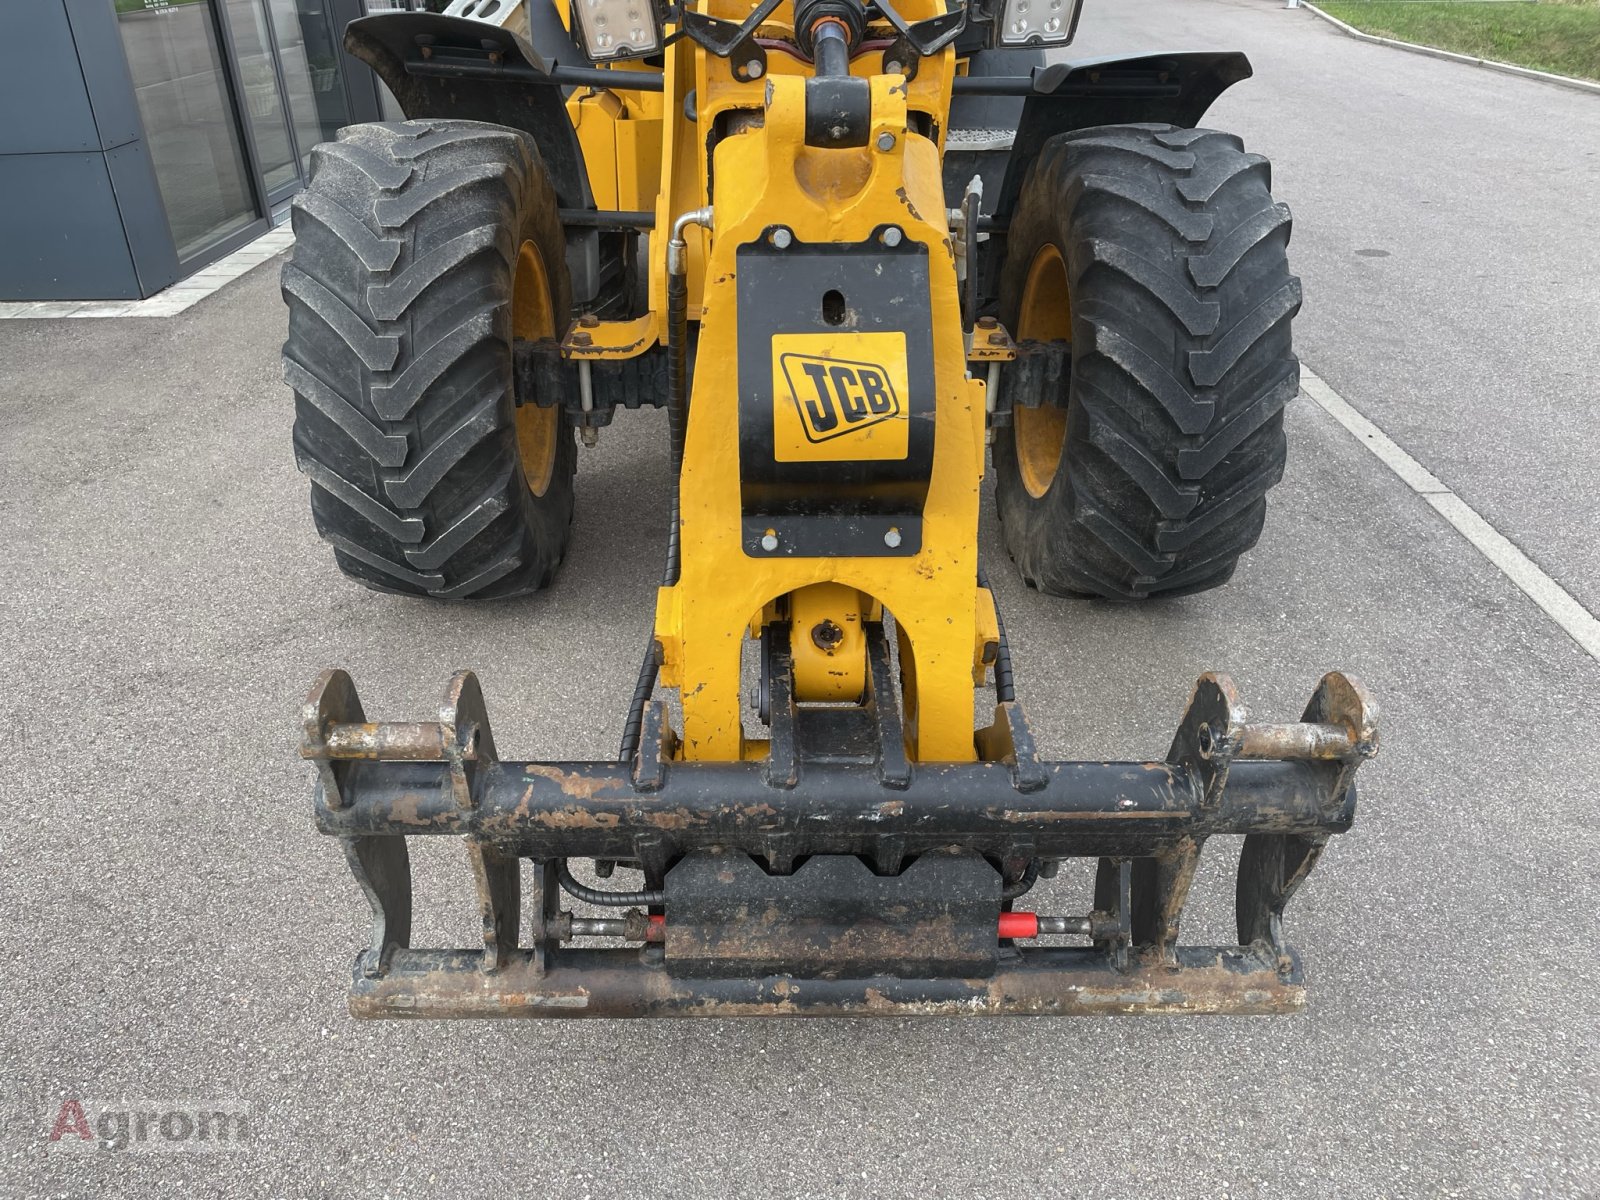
{"points": [[412, 53], [1168, 89]]}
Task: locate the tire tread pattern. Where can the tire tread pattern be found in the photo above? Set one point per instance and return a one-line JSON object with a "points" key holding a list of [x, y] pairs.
{"points": [[399, 294], [1182, 301]]}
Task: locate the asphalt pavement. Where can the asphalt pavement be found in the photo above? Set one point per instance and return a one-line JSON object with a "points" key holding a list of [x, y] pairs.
{"points": [[173, 931]]}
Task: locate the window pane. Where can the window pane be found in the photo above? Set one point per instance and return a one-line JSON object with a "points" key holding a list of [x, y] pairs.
{"points": [[188, 119], [263, 102], [309, 52]]}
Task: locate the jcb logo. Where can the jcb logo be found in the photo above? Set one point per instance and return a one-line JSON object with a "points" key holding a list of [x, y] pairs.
{"points": [[839, 397]]}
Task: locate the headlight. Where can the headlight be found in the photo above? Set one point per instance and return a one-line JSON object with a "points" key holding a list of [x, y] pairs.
{"points": [[611, 29], [1037, 22]]}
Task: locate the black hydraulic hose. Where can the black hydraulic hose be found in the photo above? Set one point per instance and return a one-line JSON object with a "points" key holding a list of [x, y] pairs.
{"points": [[1005, 686], [1024, 885], [650, 668], [1005, 690], [677, 365], [677, 428], [678, 332], [678, 362], [595, 896], [670, 575], [643, 688]]}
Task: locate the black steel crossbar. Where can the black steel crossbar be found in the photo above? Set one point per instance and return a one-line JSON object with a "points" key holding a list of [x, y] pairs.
{"points": [[593, 810]]}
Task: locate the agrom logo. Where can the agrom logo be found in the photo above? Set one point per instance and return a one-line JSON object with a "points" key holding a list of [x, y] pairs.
{"points": [[86, 1126], [839, 397]]}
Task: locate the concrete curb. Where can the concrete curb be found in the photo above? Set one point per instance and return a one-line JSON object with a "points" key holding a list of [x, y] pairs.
{"points": [[1581, 85]]}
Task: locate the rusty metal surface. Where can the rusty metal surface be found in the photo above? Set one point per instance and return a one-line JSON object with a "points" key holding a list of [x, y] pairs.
{"points": [[393, 740], [851, 885], [832, 917], [623, 983], [1340, 724], [591, 810]]}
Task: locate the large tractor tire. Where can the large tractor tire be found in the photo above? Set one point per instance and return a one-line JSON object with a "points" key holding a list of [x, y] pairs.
{"points": [[1159, 254], [423, 250]]}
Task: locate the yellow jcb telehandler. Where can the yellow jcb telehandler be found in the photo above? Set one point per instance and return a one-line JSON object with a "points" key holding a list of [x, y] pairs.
{"points": [[849, 245]]}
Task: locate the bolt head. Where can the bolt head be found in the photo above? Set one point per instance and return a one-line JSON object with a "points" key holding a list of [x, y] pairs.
{"points": [[826, 636], [892, 236], [891, 539], [769, 542], [894, 67], [781, 238], [754, 69], [886, 141]]}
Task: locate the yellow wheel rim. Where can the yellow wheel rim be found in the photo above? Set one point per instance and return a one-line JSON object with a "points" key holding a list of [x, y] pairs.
{"points": [[1041, 433], [532, 319]]}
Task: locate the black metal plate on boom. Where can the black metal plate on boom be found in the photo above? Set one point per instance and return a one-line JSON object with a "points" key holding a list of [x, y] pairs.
{"points": [[837, 506]]}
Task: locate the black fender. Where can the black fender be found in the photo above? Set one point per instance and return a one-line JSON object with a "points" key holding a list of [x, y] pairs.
{"points": [[503, 80], [1167, 89]]}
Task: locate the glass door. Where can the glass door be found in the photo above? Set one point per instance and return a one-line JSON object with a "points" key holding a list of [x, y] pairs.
{"points": [[234, 96], [290, 71], [309, 52], [262, 87], [179, 77]]}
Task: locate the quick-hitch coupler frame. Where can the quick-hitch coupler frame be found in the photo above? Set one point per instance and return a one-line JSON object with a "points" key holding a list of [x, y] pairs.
{"points": [[843, 889]]}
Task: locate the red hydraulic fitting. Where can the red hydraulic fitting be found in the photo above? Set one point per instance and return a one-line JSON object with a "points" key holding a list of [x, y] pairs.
{"points": [[1019, 925]]}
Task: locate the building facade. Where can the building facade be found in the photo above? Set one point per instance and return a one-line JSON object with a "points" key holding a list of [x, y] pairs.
{"points": [[143, 139]]}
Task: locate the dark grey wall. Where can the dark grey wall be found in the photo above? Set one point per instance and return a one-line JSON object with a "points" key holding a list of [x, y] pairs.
{"points": [[80, 211]]}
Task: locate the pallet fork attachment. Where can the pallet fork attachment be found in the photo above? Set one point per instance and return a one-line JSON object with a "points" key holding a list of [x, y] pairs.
{"points": [[847, 888]]}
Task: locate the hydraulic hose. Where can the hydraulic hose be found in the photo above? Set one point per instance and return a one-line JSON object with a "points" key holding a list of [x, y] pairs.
{"points": [[677, 428], [643, 687], [1005, 690], [602, 899], [1024, 885], [677, 364], [678, 330], [1005, 687]]}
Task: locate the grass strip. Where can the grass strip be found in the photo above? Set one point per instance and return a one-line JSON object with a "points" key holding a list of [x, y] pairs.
{"points": [[1563, 38]]}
